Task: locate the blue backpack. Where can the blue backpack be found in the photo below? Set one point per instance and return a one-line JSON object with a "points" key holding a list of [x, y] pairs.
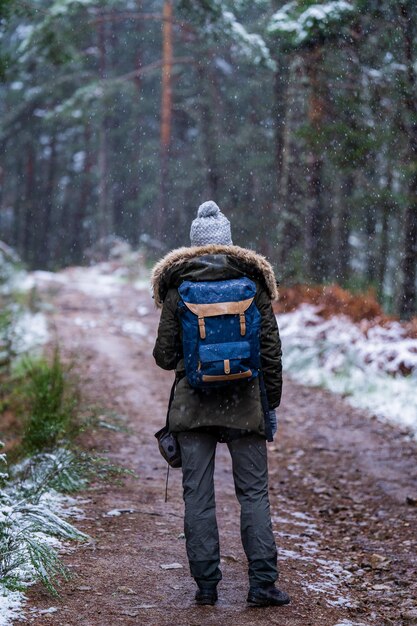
{"points": [[220, 331]]}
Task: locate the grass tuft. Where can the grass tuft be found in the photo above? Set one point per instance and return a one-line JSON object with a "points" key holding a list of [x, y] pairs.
{"points": [[48, 401]]}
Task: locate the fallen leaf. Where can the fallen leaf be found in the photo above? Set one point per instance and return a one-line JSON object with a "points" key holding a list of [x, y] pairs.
{"points": [[124, 589], [52, 609], [377, 561], [230, 557]]}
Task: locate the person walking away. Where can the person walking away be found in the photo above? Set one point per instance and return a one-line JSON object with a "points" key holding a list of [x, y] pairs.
{"points": [[207, 409]]}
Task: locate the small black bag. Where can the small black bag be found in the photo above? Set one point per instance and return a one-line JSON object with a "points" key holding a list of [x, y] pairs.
{"points": [[168, 447], [167, 442]]}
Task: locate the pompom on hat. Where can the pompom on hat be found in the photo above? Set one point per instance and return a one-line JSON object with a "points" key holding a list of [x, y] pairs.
{"points": [[210, 226]]}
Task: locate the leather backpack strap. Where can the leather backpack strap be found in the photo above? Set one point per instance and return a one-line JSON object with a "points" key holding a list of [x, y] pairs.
{"points": [[171, 397], [265, 407]]}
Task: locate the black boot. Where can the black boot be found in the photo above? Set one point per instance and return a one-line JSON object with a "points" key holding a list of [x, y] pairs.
{"points": [[267, 595], [206, 595]]}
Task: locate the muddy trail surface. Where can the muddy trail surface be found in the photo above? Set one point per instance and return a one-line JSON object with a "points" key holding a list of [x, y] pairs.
{"points": [[343, 490]]}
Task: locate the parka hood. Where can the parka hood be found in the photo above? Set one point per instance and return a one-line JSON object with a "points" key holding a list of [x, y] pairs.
{"points": [[167, 271]]}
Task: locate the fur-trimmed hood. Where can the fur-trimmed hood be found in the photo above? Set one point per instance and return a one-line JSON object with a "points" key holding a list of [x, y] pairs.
{"points": [[251, 262]]}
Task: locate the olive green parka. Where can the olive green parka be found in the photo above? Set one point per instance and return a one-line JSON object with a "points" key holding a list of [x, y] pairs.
{"points": [[237, 406]]}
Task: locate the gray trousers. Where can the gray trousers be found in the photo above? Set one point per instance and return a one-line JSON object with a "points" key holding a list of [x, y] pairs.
{"points": [[250, 473]]}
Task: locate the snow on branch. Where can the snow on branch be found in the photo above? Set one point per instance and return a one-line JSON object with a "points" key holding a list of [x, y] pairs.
{"points": [[250, 45], [63, 7], [218, 21], [41, 39], [299, 25]]}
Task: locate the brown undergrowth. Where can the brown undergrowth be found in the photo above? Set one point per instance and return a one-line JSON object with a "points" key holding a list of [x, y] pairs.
{"points": [[333, 300]]}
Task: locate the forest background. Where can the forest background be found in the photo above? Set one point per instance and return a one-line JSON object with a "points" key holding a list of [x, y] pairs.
{"points": [[118, 117]]}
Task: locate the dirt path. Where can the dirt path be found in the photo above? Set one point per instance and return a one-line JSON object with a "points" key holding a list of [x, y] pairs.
{"points": [[338, 483]]}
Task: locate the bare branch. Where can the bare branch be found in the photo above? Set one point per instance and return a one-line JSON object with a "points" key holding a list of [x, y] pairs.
{"points": [[149, 68], [131, 15]]}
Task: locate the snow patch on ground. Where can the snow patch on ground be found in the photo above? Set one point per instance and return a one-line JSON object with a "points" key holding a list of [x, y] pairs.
{"points": [[96, 281], [11, 604], [374, 367], [52, 609], [85, 323], [30, 331], [142, 284], [347, 622], [42, 275], [17, 282], [93, 281], [329, 574], [133, 328], [100, 280]]}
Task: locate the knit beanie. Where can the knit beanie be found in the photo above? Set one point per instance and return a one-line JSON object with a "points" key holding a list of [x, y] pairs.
{"points": [[210, 226]]}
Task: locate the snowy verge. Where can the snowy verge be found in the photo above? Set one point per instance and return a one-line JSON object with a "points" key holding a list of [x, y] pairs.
{"points": [[34, 526], [11, 603], [98, 281], [21, 329], [374, 367], [29, 332]]}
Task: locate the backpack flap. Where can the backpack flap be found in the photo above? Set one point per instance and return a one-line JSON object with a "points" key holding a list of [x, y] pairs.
{"points": [[222, 362]]}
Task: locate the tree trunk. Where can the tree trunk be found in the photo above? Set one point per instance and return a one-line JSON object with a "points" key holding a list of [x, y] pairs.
{"points": [[271, 208], [79, 240], [209, 134], [371, 245], [317, 218], [407, 303], [383, 249], [44, 251], [30, 194], [342, 231], [104, 225], [279, 112], [17, 206], [134, 182], [289, 191], [166, 114]]}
